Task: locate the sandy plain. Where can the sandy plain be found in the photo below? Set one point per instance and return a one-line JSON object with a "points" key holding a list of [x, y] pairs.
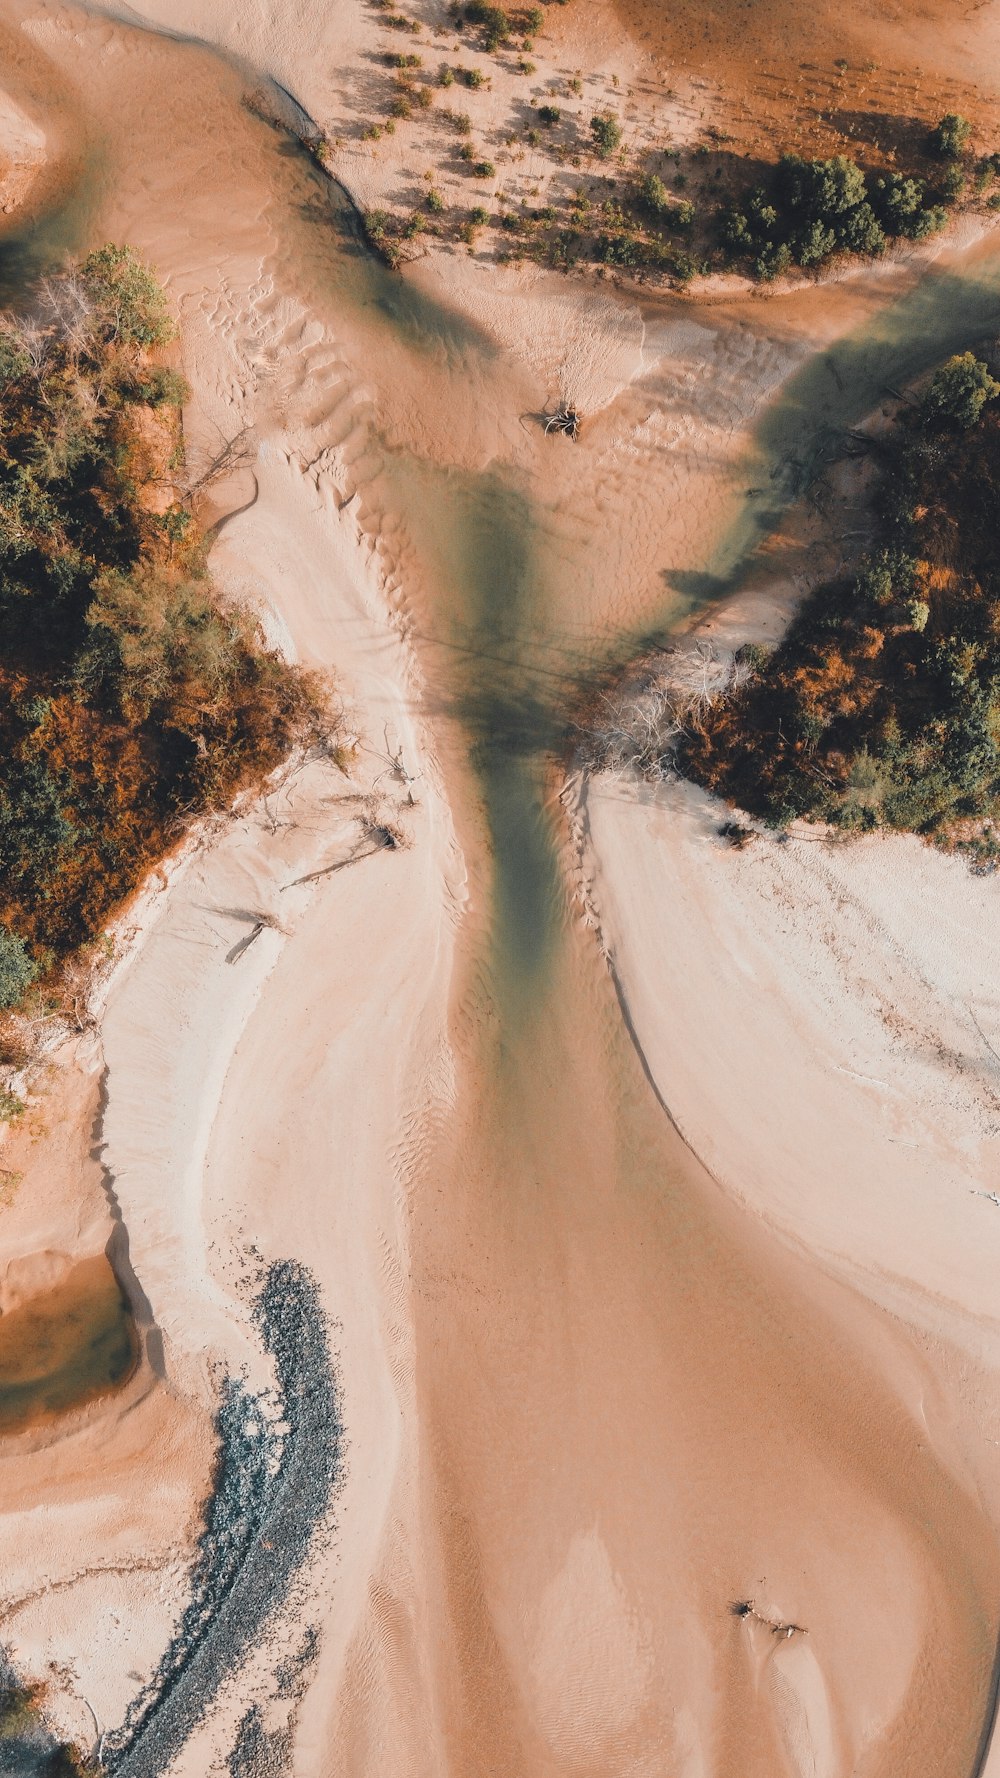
{"points": [[631, 1320]]}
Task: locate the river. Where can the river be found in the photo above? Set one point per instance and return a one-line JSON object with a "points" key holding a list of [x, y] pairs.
{"points": [[636, 1405]]}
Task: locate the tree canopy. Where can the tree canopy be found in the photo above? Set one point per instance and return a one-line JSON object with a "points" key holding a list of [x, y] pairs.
{"points": [[881, 706]]}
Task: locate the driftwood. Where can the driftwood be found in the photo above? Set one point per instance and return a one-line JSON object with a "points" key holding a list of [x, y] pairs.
{"points": [[566, 420], [745, 1608]]}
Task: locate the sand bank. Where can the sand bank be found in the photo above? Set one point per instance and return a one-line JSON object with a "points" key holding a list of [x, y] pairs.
{"points": [[821, 1019]]}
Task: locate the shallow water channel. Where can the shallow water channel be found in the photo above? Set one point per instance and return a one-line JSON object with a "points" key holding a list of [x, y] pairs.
{"points": [[639, 1406], [63, 1346]]}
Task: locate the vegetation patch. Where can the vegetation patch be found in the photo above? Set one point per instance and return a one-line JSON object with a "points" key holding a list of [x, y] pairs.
{"points": [[130, 699], [808, 211], [881, 707]]}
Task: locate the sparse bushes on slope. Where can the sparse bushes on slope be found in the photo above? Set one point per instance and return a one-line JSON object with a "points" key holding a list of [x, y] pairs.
{"points": [[128, 697]]}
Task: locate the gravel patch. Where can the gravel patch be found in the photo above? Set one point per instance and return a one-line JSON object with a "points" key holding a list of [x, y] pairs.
{"points": [[278, 1462]]}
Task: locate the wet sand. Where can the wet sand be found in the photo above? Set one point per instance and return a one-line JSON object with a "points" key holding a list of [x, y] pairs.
{"points": [[591, 1400]]}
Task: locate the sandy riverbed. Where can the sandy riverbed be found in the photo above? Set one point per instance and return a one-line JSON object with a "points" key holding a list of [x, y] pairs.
{"points": [[590, 1398]]}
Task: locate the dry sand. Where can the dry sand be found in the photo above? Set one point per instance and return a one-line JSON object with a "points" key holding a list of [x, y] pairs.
{"points": [[591, 1397]]}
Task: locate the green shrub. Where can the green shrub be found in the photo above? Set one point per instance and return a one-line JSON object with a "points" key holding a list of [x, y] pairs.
{"points": [[17, 971], [960, 391], [949, 137], [495, 23], [619, 249], [607, 134], [772, 260], [654, 194], [376, 225], [549, 114], [819, 208], [484, 170], [128, 303]]}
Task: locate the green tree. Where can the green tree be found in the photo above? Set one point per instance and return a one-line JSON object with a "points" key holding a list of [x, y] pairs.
{"points": [[127, 301], [821, 190], [17, 971], [607, 134], [949, 136], [960, 391], [654, 193]]}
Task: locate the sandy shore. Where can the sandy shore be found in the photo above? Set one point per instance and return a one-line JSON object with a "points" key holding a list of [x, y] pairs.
{"points": [[838, 1001]]}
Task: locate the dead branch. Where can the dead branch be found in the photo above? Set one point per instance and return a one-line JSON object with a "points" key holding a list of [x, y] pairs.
{"points": [[745, 1608], [566, 420], [639, 728], [233, 455]]}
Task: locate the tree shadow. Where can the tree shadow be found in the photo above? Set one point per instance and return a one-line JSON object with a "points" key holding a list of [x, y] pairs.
{"points": [[887, 133]]}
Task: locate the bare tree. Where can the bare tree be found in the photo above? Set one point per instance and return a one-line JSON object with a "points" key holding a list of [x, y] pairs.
{"points": [[638, 727]]}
